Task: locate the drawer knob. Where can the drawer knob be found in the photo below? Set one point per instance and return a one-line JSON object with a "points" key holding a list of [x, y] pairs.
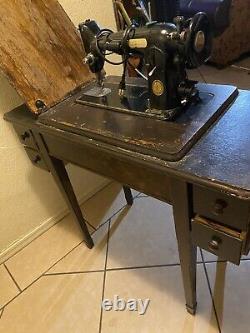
{"points": [[25, 136], [214, 245], [219, 206]]}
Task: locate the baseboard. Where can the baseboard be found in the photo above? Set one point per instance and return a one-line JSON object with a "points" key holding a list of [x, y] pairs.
{"points": [[44, 226]]}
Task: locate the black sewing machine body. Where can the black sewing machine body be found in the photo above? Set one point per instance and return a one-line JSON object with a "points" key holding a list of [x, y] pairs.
{"points": [[166, 50]]}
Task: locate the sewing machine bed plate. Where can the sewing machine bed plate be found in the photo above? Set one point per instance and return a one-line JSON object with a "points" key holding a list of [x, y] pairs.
{"points": [[168, 140], [136, 102]]}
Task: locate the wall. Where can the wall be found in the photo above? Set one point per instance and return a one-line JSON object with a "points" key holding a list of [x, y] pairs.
{"points": [[29, 200], [99, 10]]}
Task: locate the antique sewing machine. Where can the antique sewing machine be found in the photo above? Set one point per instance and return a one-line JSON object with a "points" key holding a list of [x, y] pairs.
{"points": [[162, 92], [166, 49]]}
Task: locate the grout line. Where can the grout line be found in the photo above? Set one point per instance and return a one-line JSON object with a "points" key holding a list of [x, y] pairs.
{"points": [[89, 224], [23, 290], [82, 242], [141, 267], [210, 291], [1, 312], [63, 257], [104, 278], [74, 273], [12, 277], [211, 261], [114, 269], [245, 259], [42, 275]]}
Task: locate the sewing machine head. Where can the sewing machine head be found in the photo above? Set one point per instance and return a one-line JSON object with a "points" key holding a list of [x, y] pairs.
{"points": [[166, 50]]}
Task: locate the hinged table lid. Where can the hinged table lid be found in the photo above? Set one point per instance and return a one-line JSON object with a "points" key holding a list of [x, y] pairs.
{"points": [[40, 51]]}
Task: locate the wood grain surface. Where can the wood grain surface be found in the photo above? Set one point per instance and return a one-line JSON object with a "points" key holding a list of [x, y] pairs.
{"points": [[40, 51]]}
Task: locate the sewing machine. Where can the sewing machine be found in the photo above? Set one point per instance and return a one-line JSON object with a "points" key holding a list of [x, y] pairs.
{"points": [[163, 91], [167, 50]]}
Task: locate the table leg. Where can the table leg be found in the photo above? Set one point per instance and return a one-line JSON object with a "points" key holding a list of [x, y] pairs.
{"points": [[181, 200], [128, 195], [62, 180]]}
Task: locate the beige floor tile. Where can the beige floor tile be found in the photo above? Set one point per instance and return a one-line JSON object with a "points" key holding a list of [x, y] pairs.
{"points": [[104, 204], [208, 257], [28, 264], [229, 75], [56, 304], [230, 287], [143, 235], [166, 312], [8, 289], [82, 259]]}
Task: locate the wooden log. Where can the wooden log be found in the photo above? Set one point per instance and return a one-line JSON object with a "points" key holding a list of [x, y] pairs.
{"points": [[40, 51]]}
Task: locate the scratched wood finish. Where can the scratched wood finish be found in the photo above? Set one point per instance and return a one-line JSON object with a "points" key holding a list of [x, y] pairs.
{"points": [[168, 140], [40, 51]]}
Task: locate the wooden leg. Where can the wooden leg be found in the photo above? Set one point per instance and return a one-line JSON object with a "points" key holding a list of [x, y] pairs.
{"points": [[187, 251], [62, 180], [128, 195]]}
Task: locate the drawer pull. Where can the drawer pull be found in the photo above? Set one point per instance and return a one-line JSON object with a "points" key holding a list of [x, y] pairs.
{"points": [[214, 245], [220, 240], [25, 136], [219, 207]]}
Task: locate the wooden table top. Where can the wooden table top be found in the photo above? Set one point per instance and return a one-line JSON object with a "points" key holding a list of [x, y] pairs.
{"points": [[168, 140], [221, 157]]}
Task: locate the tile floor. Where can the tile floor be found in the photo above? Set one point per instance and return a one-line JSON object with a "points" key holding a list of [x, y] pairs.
{"points": [[55, 284]]}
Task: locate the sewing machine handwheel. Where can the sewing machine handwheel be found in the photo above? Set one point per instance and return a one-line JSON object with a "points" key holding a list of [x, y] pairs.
{"points": [[199, 41]]}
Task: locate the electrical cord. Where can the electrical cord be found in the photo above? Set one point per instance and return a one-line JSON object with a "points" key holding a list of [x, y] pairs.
{"points": [[124, 44], [129, 33], [102, 54]]}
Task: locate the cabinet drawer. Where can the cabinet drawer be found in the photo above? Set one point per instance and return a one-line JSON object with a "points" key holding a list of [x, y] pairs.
{"points": [[221, 207], [25, 136], [36, 158], [221, 241]]}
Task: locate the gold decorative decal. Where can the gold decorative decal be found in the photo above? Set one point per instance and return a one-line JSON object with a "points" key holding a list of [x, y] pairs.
{"points": [[157, 87]]}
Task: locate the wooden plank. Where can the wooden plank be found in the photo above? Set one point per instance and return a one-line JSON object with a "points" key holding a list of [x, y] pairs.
{"points": [[40, 51]]}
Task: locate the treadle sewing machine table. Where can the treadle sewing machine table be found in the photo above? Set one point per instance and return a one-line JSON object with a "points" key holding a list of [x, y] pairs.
{"points": [[208, 187]]}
